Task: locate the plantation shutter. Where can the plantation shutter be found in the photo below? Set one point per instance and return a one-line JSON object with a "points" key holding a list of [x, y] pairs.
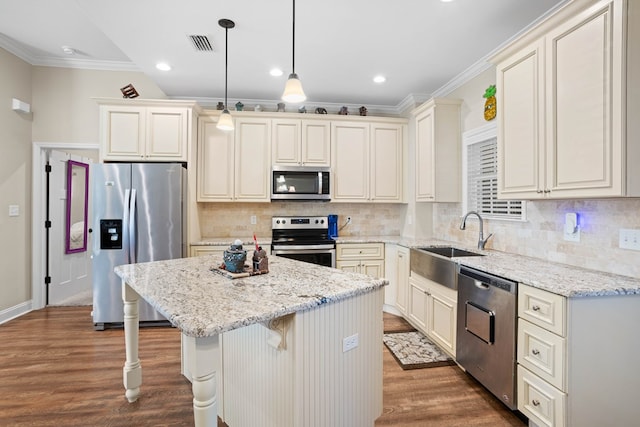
{"points": [[482, 183]]}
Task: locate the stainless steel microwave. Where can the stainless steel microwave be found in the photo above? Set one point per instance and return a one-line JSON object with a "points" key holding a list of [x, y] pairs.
{"points": [[300, 183]]}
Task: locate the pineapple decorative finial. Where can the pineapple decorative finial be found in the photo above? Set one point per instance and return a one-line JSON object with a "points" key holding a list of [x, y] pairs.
{"points": [[490, 103]]}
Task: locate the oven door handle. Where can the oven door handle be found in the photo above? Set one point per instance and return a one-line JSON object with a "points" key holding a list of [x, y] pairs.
{"points": [[302, 251], [304, 248]]}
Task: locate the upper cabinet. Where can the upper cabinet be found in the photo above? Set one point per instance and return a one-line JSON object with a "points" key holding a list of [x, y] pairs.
{"points": [[437, 150], [563, 106], [301, 142], [368, 159], [140, 130], [233, 166]]}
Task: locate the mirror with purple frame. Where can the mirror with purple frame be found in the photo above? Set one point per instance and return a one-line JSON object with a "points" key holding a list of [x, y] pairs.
{"points": [[77, 195]]}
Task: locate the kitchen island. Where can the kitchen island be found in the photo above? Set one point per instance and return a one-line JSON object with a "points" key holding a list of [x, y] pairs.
{"points": [[300, 345]]}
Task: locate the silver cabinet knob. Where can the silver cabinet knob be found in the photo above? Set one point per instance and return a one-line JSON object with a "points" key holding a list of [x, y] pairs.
{"points": [[536, 308], [535, 352], [535, 402]]}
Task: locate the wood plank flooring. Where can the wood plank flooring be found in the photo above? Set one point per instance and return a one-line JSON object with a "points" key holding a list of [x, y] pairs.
{"points": [[55, 370]]}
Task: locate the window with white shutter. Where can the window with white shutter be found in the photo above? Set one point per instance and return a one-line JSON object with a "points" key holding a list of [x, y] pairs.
{"points": [[480, 157]]}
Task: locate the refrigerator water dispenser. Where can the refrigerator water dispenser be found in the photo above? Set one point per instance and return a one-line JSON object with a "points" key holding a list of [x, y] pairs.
{"points": [[110, 234]]}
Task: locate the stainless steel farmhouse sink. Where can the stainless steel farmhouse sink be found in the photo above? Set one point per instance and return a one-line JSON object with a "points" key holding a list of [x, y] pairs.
{"points": [[448, 251], [437, 263]]}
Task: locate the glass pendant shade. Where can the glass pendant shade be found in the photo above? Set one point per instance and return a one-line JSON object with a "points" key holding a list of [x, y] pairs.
{"points": [[293, 90], [225, 122]]}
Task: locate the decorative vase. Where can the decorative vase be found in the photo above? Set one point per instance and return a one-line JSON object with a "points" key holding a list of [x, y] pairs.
{"points": [[234, 258]]}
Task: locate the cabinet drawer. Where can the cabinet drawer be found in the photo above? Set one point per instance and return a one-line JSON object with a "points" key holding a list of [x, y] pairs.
{"points": [[542, 308], [539, 401], [360, 251], [542, 352], [207, 250]]}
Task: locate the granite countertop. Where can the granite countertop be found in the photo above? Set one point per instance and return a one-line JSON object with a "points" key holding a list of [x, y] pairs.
{"points": [[201, 302], [561, 279]]}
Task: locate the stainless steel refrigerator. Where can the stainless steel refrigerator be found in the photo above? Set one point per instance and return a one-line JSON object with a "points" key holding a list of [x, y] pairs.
{"points": [[138, 215]]}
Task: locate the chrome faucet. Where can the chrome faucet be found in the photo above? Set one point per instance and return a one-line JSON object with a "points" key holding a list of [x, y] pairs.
{"points": [[481, 240]]}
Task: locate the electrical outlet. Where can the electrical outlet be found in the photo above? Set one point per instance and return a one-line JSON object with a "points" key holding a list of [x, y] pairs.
{"points": [[14, 210], [349, 343], [253, 220], [629, 239]]}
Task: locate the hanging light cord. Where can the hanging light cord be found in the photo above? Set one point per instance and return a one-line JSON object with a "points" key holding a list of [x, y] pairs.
{"points": [[226, 63], [293, 59]]}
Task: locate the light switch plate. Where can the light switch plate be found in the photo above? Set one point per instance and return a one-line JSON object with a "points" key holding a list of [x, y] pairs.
{"points": [[14, 210], [629, 239]]}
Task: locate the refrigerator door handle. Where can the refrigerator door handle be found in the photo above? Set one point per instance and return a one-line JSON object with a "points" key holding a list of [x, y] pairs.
{"points": [[132, 228], [125, 225]]}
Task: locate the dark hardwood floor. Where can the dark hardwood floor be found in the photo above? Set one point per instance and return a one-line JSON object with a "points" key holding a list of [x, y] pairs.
{"points": [[55, 370]]}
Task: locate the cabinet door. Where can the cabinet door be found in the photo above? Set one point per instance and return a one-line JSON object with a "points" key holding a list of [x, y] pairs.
{"points": [[425, 156], [387, 171], [167, 134], [252, 159], [403, 267], [417, 310], [520, 86], [316, 143], [123, 132], [207, 250], [350, 266], [350, 152], [441, 322], [583, 75], [286, 142], [373, 268], [215, 162]]}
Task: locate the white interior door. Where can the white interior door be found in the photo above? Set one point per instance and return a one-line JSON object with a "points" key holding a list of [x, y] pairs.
{"points": [[70, 273]]}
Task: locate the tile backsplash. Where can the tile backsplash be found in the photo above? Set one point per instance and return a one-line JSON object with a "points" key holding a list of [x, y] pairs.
{"points": [[234, 219], [541, 236]]}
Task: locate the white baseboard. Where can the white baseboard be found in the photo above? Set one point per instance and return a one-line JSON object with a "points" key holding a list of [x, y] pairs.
{"points": [[15, 311], [391, 309]]}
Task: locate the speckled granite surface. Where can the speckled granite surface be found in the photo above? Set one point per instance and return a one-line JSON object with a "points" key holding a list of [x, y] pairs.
{"points": [[565, 280], [201, 302]]}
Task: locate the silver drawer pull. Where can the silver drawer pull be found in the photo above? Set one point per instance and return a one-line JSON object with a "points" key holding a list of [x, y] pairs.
{"points": [[535, 352], [535, 402], [536, 308]]}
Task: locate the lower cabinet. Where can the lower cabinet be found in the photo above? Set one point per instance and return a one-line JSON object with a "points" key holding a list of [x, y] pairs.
{"points": [[201, 250], [365, 258], [575, 363], [432, 308], [402, 278]]}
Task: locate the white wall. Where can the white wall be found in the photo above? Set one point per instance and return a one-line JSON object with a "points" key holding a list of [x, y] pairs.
{"points": [[15, 182]]}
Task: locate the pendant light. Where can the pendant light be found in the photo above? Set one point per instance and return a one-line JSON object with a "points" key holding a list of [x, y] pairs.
{"points": [[225, 122], [293, 90]]}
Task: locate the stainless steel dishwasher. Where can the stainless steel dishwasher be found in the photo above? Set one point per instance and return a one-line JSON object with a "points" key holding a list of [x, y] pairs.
{"points": [[486, 338]]}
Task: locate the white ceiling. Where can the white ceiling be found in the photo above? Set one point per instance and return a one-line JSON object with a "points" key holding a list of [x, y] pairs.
{"points": [[419, 45]]}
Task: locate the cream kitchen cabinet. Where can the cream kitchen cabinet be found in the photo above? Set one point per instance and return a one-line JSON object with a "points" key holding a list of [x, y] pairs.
{"points": [[368, 159], [432, 308], [562, 109], [573, 358], [234, 166], [402, 278], [145, 130], [437, 151], [301, 142], [201, 250], [365, 258]]}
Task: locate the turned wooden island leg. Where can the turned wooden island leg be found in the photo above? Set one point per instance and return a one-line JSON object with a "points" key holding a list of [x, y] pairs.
{"points": [[132, 371], [204, 382]]}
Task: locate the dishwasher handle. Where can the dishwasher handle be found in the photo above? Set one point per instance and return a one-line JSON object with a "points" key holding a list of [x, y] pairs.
{"points": [[486, 279]]}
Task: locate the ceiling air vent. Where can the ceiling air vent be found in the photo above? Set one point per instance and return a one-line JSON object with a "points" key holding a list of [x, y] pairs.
{"points": [[201, 43]]}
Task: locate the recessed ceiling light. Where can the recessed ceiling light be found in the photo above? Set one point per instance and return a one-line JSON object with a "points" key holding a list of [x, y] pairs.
{"points": [[276, 72], [379, 79], [446, 1], [68, 50], [163, 66]]}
